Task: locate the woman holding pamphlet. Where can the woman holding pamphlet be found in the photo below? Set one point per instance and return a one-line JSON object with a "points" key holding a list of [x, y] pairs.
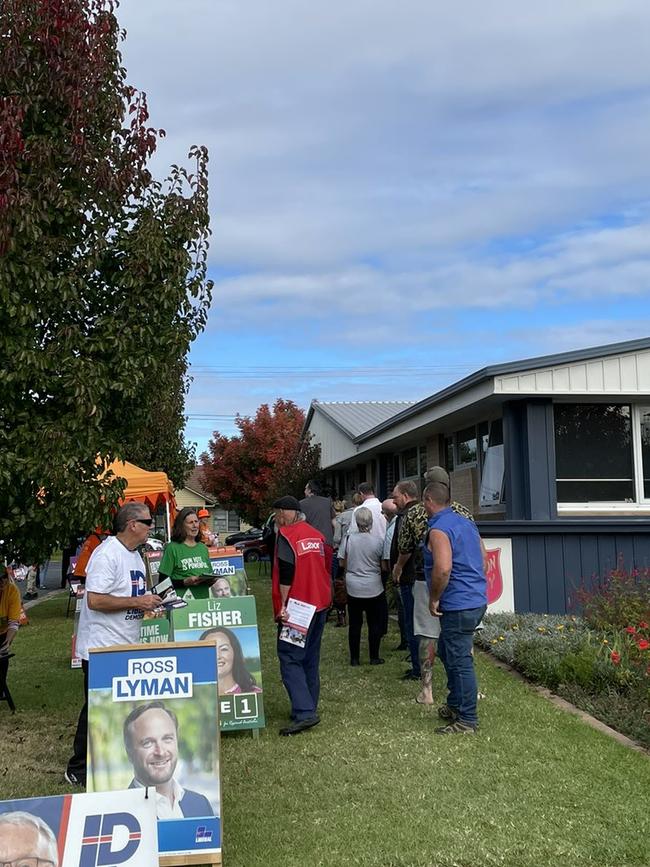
{"points": [[186, 560]]}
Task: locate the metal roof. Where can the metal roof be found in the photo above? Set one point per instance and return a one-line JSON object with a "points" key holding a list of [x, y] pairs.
{"points": [[499, 370], [356, 417]]}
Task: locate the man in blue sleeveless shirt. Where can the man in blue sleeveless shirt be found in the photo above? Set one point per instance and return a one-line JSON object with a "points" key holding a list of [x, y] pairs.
{"points": [[459, 597]]}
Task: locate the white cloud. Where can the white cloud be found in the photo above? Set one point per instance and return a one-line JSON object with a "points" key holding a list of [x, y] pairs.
{"points": [[381, 168]]}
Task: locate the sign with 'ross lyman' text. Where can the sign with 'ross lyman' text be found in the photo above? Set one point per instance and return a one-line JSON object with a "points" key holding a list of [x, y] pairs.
{"points": [[153, 723]]}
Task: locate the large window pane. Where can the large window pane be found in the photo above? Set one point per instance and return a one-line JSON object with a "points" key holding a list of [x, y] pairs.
{"points": [[410, 463], [422, 452], [466, 447], [593, 453], [449, 454], [483, 430], [491, 492], [645, 450]]}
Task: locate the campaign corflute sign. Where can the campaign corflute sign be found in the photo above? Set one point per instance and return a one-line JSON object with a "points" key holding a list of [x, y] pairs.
{"points": [[231, 624], [153, 723], [111, 829]]}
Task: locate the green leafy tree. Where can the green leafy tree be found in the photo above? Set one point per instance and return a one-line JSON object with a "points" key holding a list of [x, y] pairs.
{"points": [[160, 445], [269, 458], [102, 273]]}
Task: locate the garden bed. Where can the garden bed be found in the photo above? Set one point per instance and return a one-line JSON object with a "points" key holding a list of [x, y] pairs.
{"points": [[603, 671]]}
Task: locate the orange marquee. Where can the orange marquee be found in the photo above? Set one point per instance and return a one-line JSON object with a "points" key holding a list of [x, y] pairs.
{"points": [[153, 489]]}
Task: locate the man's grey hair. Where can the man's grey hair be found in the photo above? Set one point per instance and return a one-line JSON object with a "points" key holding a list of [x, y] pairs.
{"points": [[363, 518], [21, 819], [129, 512], [366, 488]]}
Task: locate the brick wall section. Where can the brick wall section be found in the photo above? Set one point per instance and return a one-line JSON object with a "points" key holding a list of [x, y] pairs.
{"points": [[464, 488], [435, 457]]}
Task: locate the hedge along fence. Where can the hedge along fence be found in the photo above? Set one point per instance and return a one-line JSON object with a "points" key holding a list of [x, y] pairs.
{"points": [[602, 667]]}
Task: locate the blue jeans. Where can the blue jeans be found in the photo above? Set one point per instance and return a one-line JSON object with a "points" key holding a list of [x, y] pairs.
{"points": [[406, 592], [455, 653], [299, 669]]}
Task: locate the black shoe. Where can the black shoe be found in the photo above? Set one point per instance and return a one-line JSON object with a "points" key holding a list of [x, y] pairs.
{"points": [[28, 596], [402, 646], [410, 675], [378, 661], [456, 728], [449, 714], [300, 725], [75, 779], [354, 662]]}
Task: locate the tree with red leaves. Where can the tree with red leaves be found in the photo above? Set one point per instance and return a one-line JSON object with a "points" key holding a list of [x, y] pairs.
{"points": [[268, 458], [102, 275]]}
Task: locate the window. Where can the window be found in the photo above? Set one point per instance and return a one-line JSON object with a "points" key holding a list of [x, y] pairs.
{"points": [[413, 463], [466, 446], [422, 456], [483, 430], [593, 453], [449, 454], [492, 466], [410, 464], [644, 431]]}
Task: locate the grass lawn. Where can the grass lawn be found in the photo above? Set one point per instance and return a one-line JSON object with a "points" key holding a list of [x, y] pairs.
{"points": [[372, 785]]}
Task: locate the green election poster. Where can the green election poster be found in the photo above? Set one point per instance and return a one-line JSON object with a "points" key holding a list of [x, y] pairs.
{"points": [[232, 624], [155, 630]]}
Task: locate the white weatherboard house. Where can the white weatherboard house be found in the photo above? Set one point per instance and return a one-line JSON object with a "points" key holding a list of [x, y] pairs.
{"points": [[552, 454]]}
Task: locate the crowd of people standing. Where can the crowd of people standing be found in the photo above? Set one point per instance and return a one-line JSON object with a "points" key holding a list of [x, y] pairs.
{"points": [[426, 552]]}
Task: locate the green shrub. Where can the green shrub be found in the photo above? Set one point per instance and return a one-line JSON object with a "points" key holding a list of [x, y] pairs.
{"points": [[538, 662], [588, 669], [604, 672], [626, 712]]}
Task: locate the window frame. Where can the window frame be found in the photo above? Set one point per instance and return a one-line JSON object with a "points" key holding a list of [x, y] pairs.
{"points": [[640, 503], [490, 508], [466, 465]]}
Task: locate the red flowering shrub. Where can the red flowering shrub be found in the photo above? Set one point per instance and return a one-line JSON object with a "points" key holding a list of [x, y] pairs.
{"points": [[620, 600]]}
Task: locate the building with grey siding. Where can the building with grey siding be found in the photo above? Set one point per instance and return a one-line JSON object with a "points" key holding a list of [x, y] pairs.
{"points": [[552, 454]]}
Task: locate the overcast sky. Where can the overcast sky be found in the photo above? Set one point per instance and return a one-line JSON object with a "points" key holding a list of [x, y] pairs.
{"points": [[402, 193]]}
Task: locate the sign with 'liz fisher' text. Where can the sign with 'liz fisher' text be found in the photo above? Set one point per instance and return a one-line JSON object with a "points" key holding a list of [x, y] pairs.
{"points": [[231, 624], [111, 829], [153, 723]]}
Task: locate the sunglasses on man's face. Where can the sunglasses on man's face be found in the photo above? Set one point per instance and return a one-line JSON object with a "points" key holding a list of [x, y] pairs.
{"points": [[147, 521]]}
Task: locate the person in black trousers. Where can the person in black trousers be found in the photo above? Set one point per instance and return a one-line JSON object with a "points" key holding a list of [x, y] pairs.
{"points": [[362, 563]]}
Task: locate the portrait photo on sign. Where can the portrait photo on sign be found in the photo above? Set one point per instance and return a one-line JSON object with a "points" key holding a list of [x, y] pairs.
{"points": [[170, 744], [238, 666], [231, 575]]}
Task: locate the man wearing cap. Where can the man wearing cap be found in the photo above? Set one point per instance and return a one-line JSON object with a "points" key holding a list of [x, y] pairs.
{"points": [[299, 573]]}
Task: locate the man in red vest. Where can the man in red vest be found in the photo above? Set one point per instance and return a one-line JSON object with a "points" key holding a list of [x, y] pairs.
{"points": [[300, 575]]}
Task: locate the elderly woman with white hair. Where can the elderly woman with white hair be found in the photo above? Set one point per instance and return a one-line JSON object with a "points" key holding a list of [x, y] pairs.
{"points": [[362, 563]]}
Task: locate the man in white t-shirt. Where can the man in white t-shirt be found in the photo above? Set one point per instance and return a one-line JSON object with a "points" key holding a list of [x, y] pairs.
{"points": [[370, 501], [112, 607]]}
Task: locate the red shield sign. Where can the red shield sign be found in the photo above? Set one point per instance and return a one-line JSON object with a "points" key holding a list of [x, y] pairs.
{"points": [[493, 574]]}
